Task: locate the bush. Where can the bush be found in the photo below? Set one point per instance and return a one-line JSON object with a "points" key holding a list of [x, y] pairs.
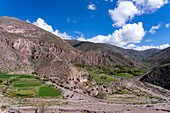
{"points": [[66, 87], [100, 95], [79, 65], [3, 107], [1, 81]]}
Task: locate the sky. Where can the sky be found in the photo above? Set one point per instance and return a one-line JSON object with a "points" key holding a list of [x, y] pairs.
{"points": [[132, 24]]}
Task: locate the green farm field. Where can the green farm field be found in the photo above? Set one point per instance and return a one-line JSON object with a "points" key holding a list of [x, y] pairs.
{"points": [[27, 86]]}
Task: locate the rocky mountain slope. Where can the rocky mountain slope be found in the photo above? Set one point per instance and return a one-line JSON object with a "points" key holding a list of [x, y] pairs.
{"points": [[161, 57], [139, 55], [159, 76], [25, 46], [107, 48]]}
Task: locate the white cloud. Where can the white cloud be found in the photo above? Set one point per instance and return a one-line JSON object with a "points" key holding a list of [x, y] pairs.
{"points": [[149, 40], [144, 47], [130, 46], [62, 35], [126, 10], [139, 1], [78, 32], [28, 21], [42, 24], [92, 7], [81, 37], [167, 25], [147, 6], [108, 0], [156, 4], [152, 30], [129, 33]]}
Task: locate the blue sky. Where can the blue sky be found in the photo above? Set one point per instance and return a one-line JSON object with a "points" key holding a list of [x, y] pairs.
{"points": [[136, 24]]}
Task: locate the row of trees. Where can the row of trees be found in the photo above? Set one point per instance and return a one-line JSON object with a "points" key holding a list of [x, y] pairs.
{"points": [[113, 70]]}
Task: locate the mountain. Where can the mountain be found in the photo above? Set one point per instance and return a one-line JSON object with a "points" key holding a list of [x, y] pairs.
{"points": [[159, 76], [95, 47], [107, 48], [102, 49], [138, 55], [161, 57], [26, 47]]}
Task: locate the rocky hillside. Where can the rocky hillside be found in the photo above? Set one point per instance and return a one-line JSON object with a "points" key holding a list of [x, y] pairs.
{"points": [[161, 57], [111, 49], [139, 55], [95, 47], [159, 76], [27, 47]]}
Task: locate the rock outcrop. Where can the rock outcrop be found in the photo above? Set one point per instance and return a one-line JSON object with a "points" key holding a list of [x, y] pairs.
{"points": [[159, 76]]}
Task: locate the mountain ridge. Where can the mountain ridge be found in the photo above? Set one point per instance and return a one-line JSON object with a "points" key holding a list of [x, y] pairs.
{"points": [[45, 51], [138, 55]]}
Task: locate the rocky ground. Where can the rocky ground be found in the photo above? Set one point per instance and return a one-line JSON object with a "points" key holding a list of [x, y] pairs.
{"points": [[150, 100]]}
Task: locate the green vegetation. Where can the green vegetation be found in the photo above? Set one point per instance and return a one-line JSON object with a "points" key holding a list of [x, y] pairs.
{"points": [[126, 75], [123, 71], [45, 91], [121, 92], [28, 93], [26, 86], [101, 78]]}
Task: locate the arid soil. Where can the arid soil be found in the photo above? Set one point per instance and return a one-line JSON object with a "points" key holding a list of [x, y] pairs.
{"points": [[81, 103]]}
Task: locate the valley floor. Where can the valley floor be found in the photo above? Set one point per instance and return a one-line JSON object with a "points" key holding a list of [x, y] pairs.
{"points": [[81, 103]]}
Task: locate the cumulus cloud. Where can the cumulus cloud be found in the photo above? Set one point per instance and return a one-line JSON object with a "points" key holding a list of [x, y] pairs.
{"points": [[144, 47], [156, 4], [62, 35], [92, 7], [147, 6], [153, 29], [130, 46], [126, 10], [167, 25], [28, 21], [129, 33], [80, 37], [42, 24], [125, 37]]}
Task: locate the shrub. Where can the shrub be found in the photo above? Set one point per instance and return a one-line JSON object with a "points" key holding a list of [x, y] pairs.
{"points": [[100, 95], [1, 81], [3, 107], [66, 87]]}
